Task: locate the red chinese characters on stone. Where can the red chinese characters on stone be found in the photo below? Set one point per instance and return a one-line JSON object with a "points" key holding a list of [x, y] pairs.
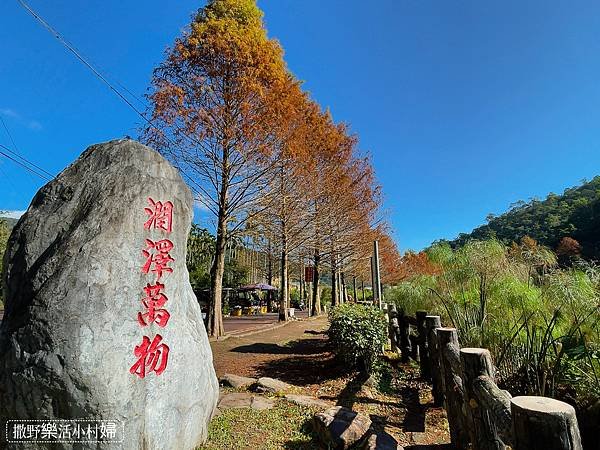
{"points": [[157, 257], [152, 357], [161, 216], [154, 302]]}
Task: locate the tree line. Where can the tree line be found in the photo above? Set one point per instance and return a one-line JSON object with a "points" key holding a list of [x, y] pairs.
{"points": [[262, 156], [567, 223]]}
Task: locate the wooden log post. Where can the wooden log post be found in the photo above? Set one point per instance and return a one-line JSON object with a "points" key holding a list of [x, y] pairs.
{"points": [[405, 347], [482, 431], [393, 327], [452, 385], [432, 324], [541, 423], [422, 345], [497, 403], [414, 344]]}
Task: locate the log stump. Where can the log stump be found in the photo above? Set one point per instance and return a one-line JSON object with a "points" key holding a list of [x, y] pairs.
{"points": [[541, 423], [393, 327], [405, 347], [482, 431], [422, 345], [432, 324], [452, 387]]}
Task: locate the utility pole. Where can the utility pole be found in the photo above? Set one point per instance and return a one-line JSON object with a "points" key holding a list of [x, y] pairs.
{"points": [[373, 290], [377, 272]]}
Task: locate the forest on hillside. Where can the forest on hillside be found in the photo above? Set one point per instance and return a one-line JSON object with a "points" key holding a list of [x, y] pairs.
{"points": [[575, 214]]}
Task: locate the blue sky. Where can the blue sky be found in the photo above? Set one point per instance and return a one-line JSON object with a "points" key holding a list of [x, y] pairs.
{"points": [[465, 106]]}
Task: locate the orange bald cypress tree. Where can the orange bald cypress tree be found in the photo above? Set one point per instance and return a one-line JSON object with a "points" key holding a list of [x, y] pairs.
{"points": [[213, 110]]}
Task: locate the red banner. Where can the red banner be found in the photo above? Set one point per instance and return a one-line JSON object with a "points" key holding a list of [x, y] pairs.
{"points": [[309, 273]]}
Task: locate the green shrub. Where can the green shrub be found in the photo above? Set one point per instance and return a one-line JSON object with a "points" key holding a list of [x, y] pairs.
{"points": [[358, 334], [325, 297], [294, 297]]}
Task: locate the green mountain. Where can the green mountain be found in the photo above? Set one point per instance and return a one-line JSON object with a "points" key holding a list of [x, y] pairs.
{"points": [[574, 214], [9, 221]]}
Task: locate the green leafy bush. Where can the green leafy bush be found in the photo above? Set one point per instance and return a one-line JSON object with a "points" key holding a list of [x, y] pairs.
{"points": [[358, 333], [325, 298]]}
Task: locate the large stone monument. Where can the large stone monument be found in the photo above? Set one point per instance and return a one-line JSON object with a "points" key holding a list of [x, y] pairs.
{"points": [[101, 323]]}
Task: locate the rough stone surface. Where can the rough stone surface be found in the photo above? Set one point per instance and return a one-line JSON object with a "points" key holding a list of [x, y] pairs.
{"points": [[261, 403], [237, 381], [244, 400], [341, 428], [271, 385], [381, 441], [73, 291], [235, 400], [306, 400]]}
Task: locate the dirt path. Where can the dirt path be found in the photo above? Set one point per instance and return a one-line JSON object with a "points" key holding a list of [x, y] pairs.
{"points": [[242, 323], [263, 354], [300, 354]]}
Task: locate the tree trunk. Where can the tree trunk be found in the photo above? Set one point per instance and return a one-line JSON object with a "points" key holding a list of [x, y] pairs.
{"points": [[215, 317], [283, 301], [344, 294], [354, 289], [334, 287], [316, 301], [301, 283], [270, 278], [309, 297]]}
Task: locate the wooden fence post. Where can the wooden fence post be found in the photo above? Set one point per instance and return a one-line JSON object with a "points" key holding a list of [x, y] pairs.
{"points": [[393, 327], [405, 347], [475, 363], [496, 403], [541, 423], [452, 385], [422, 344], [432, 323]]}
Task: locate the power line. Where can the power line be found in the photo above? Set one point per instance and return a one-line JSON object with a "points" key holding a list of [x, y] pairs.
{"points": [[104, 79], [8, 179], [24, 165], [26, 161], [73, 50], [8, 132]]}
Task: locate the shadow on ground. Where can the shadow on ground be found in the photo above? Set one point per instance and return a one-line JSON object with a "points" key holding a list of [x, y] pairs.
{"points": [[414, 419], [300, 347], [350, 394], [311, 361], [430, 447], [312, 444]]}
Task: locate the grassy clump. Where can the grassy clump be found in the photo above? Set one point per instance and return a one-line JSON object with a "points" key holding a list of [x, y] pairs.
{"points": [[286, 426]]}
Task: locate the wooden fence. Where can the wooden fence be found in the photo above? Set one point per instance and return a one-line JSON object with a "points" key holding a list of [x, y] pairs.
{"points": [[481, 416]]}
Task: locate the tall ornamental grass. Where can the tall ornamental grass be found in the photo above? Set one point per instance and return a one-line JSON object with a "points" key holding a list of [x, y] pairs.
{"points": [[540, 321]]}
